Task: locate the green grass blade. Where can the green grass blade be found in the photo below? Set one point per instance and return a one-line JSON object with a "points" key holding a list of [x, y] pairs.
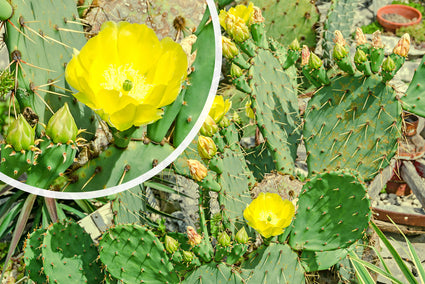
{"points": [[355, 259], [362, 274], [72, 210], [401, 264], [8, 218]]}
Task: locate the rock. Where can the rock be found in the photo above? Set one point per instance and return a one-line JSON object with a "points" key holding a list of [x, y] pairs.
{"points": [[392, 196], [383, 196], [363, 16], [248, 142]]}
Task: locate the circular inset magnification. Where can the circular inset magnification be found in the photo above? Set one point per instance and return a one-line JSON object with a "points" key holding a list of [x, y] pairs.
{"points": [[96, 117]]}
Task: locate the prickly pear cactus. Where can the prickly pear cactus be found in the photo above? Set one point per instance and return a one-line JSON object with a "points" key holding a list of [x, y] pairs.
{"points": [[33, 257], [333, 212], [354, 120], [40, 38], [286, 20], [413, 101], [271, 88], [134, 254]]}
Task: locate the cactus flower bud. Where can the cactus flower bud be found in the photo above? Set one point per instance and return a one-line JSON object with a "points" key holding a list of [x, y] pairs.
{"points": [[171, 245], [248, 110], [241, 236], [236, 118], [314, 62], [360, 56], [61, 127], [225, 122], [197, 170], [360, 37], [20, 134], [305, 55], [194, 237], [209, 128], [388, 65], [403, 46], [237, 28], [339, 38], [223, 239], [339, 52], [187, 256], [295, 45], [257, 16], [206, 147], [235, 71], [377, 40], [229, 48]]}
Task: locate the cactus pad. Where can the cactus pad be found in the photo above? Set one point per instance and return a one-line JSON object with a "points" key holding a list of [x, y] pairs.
{"points": [[33, 256], [414, 100], [134, 254], [333, 212]]}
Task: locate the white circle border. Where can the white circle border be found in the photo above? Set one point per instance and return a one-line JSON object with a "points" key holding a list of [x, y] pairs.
{"points": [[164, 163]]}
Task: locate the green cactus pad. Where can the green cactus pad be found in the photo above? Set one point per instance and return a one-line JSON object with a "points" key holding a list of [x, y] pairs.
{"points": [[236, 180], [353, 123], [134, 254], [48, 32], [15, 163], [321, 260], [128, 206], [259, 161], [70, 255], [286, 20], [333, 212], [276, 109], [414, 100], [214, 273], [199, 84], [115, 166], [276, 263], [51, 163], [33, 257]]}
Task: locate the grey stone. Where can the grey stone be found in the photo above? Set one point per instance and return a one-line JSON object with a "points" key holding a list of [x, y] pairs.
{"points": [[248, 142], [392, 196], [383, 196]]}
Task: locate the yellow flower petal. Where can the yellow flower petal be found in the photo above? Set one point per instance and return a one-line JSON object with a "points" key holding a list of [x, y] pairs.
{"points": [[269, 215], [126, 75]]}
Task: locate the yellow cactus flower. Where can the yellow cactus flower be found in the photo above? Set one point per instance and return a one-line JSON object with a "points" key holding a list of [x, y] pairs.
{"points": [[219, 108], [403, 46], [269, 214], [126, 75], [240, 11], [197, 170]]}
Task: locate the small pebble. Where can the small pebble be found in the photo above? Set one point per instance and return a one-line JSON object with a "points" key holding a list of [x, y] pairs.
{"points": [[383, 196], [392, 196]]}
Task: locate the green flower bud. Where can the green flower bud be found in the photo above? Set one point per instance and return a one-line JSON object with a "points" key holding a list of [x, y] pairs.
{"points": [[295, 45], [314, 62], [187, 256], [20, 134], [360, 56], [171, 245], [248, 110], [388, 64], [224, 122], [209, 128], [339, 52], [223, 239], [206, 147], [229, 48], [241, 236], [236, 118], [235, 71], [61, 127]]}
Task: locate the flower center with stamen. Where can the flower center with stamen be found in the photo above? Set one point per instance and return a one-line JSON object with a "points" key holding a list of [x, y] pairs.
{"points": [[126, 81]]}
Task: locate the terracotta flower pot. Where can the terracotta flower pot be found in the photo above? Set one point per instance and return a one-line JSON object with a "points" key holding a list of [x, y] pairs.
{"points": [[403, 10]]}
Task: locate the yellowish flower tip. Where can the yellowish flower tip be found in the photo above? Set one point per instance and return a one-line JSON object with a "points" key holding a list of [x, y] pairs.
{"points": [[209, 127], [305, 55], [269, 214], [236, 21], [219, 108], [126, 75], [257, 16], [206, 147], [248, 110], [193, 236], [339, 38], [360, 37], [377, 40], [403, 46], [197, 170], [229, 47], [241, 11]]}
